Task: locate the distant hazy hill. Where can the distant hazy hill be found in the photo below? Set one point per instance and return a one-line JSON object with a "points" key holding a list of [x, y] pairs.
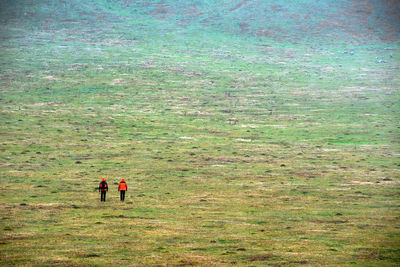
{"points": [[282, 20]]}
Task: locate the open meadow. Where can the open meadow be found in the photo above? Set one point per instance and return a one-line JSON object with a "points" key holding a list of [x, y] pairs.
{"points": [[250, 133]]}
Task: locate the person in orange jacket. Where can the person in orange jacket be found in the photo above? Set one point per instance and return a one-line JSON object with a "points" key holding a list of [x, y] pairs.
{"points": [[103, 188], [122, 187]]}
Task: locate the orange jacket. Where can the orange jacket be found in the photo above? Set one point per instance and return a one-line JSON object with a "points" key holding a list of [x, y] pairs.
{"points": [[103, 186], [122, 186]]}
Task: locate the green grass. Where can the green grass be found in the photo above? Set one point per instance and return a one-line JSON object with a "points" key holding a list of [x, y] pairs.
{"points": [[238, 148]]}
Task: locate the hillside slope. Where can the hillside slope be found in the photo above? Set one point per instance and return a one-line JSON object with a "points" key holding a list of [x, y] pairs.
{"points": [[288, 21], [250, 133]]}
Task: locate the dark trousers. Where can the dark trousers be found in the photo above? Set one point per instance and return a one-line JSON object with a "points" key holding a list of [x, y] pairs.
{"points": [[122, 195], [103, 195]]}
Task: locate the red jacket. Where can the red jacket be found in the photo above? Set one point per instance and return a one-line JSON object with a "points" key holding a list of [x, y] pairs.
{"points": [[122, 186]]}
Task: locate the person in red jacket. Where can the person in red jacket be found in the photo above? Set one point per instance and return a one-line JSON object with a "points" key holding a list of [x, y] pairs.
{"points": [[122, 187], [103, 188]]}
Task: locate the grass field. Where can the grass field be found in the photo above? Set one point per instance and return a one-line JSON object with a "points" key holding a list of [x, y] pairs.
{"points": [[250, 133]]}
